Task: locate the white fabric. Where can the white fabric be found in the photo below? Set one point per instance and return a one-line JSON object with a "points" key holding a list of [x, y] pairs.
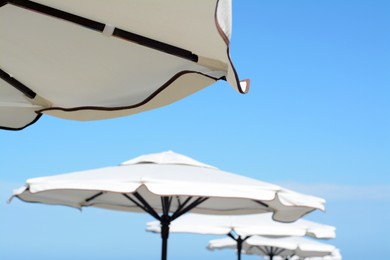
{"points": [[335, 255], [95, 74], [168, 157], [228, 193], [298, 246], [15, 109], [245, 225]]}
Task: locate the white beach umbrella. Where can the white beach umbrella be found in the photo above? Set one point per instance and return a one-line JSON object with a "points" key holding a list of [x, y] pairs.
{"points": [[167, 185], [242, 227], [283, 246], [89, 60], [335, 255]]}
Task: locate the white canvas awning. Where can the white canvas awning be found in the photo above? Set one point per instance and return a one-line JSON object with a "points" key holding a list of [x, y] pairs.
{"points": [[168, 185], [172, 175], [89, 60], [245, 225], [242, 227], [284, 246]]}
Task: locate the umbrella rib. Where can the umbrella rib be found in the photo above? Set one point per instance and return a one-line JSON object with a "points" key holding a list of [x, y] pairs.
{"points": [[97, 26], [157, 45], [230, 234], [166, 204], [275, 251], [135, 202], [181, 205], [266, 249], [147, 205], [261, 249], [147, 208], [261, 203], [184, 209], [271, 250], [279, 251], [246, 238], [178, 201], [94, 196], [17, 84]]}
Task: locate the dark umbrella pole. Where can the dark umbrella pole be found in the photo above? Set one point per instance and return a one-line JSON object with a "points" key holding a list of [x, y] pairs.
{"points": [[269, 251], [239, 249], [239, 242], [166, 218], [164, 236]]}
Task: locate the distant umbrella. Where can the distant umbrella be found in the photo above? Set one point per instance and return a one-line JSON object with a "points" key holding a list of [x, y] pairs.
{"points": [[89, 60], [167, 185], [335, 255], [241, 227], [285, 247]]}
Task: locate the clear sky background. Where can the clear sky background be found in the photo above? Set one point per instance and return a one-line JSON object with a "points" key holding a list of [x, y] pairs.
{"points": [[316, 119]]}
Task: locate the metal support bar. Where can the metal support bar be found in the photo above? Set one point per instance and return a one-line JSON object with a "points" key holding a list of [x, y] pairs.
{"points": [[183, 204], [178, 200], [98, 26], [188, 208], [17, 84], [261, 203], [278, 251], [147, 208], [263, 250], [246, 238], [146, 204], [166, 204], [94, 196], [157, 45], [230, 234]]}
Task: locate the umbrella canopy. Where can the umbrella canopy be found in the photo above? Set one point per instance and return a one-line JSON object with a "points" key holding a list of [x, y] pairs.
{"points": [[167, 185], [240, 228], [245, 225], [335, 255], [89, 60], [283, 246]]}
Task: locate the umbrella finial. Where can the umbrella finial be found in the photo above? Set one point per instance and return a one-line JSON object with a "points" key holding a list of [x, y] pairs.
{"points": [[167, 157]]}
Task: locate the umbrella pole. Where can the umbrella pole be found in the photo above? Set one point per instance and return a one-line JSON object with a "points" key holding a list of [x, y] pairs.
{"points": [[239, 248], [164, 235], [165, 219], [239, 242]]}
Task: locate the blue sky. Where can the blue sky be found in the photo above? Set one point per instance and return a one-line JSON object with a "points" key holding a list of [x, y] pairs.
{"points": [[316, 119]]}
